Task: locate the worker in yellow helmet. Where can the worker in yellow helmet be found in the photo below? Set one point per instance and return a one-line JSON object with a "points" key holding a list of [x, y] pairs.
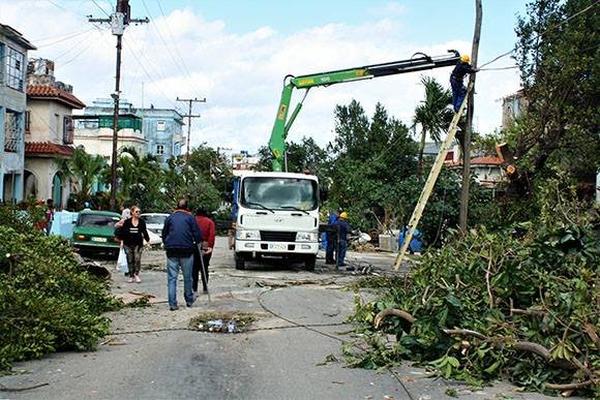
{"points": [[459, 91], [343, 228]]}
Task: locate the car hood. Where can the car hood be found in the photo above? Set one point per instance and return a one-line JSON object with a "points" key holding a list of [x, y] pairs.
{"points": [[94, 231]]}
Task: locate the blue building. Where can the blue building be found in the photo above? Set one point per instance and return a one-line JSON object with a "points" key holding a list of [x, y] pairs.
{"points": [[13, 69], [161, 127]]}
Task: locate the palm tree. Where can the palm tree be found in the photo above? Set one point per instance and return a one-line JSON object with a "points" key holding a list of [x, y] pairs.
{"points": [[432, 114], [135, 170], [86, 168]]}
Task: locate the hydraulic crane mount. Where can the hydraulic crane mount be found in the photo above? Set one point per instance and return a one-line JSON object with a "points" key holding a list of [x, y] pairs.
{"points": [[418, 62]]}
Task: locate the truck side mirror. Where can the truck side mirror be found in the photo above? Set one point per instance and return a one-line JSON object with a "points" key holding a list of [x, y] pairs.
{"points": [[323, 194]]}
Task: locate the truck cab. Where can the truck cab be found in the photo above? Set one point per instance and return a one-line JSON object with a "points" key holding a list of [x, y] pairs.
{"points": [[277, 216]]}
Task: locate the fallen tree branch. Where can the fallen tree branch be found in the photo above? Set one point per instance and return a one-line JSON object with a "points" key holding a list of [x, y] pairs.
{"points": [[531, 312], [591, 332], [21, 389], [393, 312], [465, 332], [526, 346], [568, 386]]}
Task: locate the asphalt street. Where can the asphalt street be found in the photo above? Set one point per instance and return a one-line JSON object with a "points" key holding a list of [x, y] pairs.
{"points": [[293, 350]]}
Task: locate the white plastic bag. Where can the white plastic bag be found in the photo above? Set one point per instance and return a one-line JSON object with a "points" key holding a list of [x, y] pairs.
{"points": [[122, 261]]}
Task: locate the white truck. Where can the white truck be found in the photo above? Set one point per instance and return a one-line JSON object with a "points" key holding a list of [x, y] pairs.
{"points": [[277, 216]]}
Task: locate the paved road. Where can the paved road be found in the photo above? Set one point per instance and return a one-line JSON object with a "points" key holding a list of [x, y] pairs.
{"points": [[152, 355]]}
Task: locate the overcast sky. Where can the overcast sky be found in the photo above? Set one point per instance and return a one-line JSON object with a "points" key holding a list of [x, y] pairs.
{"points": [[236, 53]]}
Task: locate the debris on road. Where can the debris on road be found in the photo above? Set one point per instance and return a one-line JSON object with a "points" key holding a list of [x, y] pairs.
{"points": [[222, 322]]}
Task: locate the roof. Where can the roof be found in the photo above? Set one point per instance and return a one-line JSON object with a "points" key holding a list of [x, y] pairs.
{"points": [[485, 160], [255, 174], [16, 36], [54, 93], [48, 148]]}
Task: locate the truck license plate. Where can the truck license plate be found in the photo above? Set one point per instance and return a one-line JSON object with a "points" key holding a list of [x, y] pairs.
{"points": [[99, 239], [277, 246]]}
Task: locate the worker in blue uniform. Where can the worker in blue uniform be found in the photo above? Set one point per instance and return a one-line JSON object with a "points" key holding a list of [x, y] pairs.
{"points": [[459, 91], [343, 228], [331, 236]]}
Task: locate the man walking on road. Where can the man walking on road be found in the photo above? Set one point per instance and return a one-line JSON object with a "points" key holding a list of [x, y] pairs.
{"points": [[207, 227], [180, 237]]}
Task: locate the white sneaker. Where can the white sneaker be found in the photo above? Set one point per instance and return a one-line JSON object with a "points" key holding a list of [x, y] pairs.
{"points": [[130, 280], [137, 279]]}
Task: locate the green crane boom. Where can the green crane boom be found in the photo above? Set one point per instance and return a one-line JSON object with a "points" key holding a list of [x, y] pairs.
{"points": [[418, 62]]}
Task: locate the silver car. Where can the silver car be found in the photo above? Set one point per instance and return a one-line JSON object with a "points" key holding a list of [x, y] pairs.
{"points": [[154, 222]]}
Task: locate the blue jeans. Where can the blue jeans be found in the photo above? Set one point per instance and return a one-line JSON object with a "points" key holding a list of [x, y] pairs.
{"points": [[459, 91], [187, 265]]}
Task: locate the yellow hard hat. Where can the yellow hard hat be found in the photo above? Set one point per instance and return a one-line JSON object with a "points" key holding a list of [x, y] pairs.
{"points": [[465, 58], [344, 215]]}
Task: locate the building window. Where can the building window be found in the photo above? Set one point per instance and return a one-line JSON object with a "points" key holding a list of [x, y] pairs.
{"points": [[15, 70], [12, 132], [160, 149], [68, 129], [161, 126], [28, 122]]}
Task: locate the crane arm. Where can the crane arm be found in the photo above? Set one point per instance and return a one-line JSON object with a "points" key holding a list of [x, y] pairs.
{"points": [[418, 62]]}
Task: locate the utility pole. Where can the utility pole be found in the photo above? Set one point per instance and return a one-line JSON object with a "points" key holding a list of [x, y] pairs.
{"points": [[118, 21], [189, 117], [466, 148]]}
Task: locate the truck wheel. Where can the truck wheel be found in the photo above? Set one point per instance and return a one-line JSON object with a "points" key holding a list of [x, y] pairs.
{"points": [[309, 263], [240, 262]]}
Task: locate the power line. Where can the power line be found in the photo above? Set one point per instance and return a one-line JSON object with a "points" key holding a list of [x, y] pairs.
{"points": [[65, 38], [175, 44], [596, 2], [100, 8], [180, 65], [189, 117]]}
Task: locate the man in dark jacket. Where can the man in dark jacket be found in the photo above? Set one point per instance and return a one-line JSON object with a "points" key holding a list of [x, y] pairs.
{"points": [[180, 237], [459, 91]]}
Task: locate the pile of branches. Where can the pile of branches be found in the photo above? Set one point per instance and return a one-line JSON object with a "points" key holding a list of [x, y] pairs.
{"points": [[48, 302], [522, 304]]}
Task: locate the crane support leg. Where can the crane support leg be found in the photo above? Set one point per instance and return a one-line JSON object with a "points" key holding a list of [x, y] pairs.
{"points": [[430, 183]]}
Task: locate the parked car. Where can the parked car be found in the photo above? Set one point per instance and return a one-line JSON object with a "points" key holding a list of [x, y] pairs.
{"points": [[94, 231], [154, 222]]}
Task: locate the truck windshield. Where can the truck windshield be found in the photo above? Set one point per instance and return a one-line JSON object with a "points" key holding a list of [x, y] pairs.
{"points": [[279, 193]]}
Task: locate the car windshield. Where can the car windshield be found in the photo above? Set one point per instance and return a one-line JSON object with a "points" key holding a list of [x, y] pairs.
{"points": [[154, 219], [279, 193], [96, 220]]}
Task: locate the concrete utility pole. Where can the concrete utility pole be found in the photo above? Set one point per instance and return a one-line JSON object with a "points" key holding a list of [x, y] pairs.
{"points": [[189, 117], [466, 150], [118, 21]]}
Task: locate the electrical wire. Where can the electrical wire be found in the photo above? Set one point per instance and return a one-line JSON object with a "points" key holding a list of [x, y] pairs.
{"points": [[145, 71], [596, 2], [180, 65], [65, 38], [328, 335], [100, 8]]}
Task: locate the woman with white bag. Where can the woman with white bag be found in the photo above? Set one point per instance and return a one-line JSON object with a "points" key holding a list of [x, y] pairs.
{"points": [[133, 232]]}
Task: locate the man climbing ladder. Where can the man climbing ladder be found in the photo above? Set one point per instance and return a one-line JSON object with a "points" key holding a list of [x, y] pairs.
{"points": [[431, 179], [459, 91]]}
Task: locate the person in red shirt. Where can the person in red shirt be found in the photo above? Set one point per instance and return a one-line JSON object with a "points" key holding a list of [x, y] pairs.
{"points": [[207, 227]]}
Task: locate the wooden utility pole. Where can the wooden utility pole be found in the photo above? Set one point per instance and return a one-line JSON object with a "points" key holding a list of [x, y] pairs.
{"points": [[189, 117], [466, 144], [118, 20]]}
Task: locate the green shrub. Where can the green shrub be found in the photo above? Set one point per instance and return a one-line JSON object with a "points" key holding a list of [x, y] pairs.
{"points": [[47, 302], [551, 268]]}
